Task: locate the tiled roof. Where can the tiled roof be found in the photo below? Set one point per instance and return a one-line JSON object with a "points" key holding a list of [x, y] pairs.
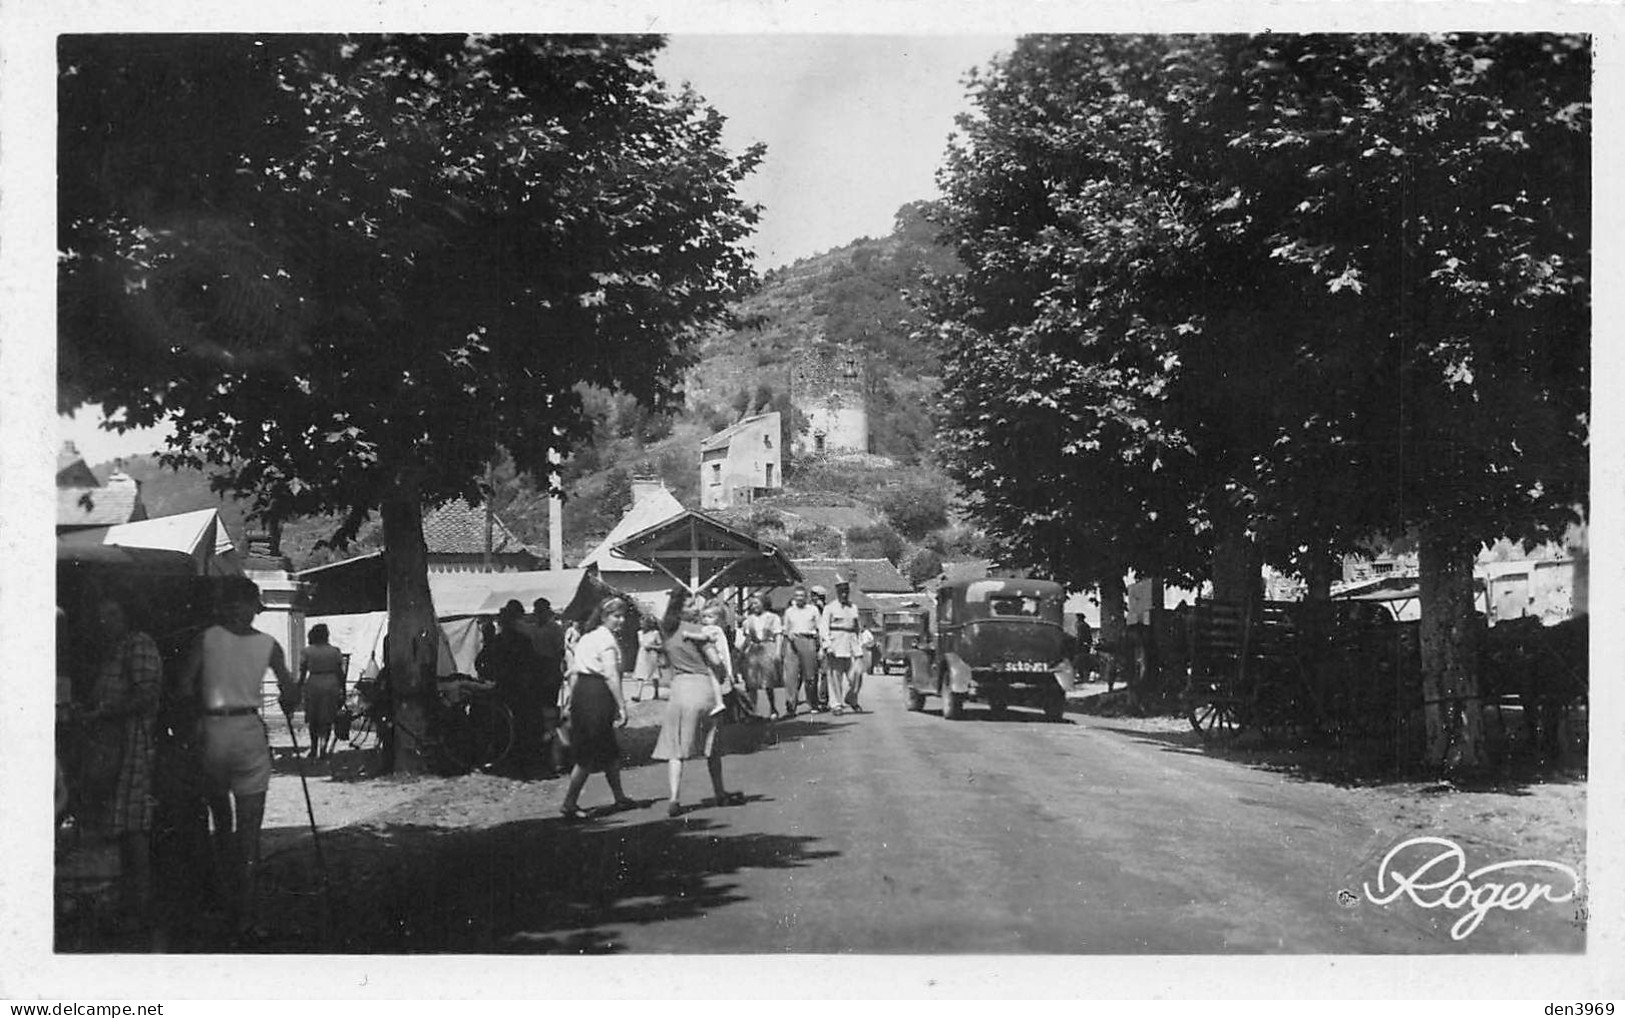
{"points": [[721, 439], [871, 575], [116, 502], [815, 576], [458, 528]]}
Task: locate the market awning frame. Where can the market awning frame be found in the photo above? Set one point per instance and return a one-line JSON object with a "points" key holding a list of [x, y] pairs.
{"points": [[700, 553]]}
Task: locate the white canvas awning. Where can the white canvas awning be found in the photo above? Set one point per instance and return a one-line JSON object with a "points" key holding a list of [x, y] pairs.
{"points": [[360, 636], [458, 594], [199, 534]]}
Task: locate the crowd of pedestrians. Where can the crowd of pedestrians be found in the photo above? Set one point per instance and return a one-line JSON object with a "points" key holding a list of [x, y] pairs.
{"points": [[563, 685], [816, 652]]}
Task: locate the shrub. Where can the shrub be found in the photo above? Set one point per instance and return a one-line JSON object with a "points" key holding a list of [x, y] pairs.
{"points": [[923, 565], [877, 541], [915, 508]]}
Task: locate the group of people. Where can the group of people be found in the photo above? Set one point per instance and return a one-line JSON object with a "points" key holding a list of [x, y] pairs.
{"points": [[816, 652], [212, 710], [564, 692], [527, 658], [686, 652]]}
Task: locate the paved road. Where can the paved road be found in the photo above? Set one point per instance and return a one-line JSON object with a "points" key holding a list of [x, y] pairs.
{"points": [[893, 831], [885, 832]]}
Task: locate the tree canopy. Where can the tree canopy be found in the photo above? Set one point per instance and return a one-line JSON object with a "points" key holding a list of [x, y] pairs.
{"points": [[327, 258], [1273, 295], [350, 270], [1337, 284]]}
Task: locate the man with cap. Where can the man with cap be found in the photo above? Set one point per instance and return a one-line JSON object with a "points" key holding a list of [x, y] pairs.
{"points": [[845, 649], [801, 626], [223, 678]]}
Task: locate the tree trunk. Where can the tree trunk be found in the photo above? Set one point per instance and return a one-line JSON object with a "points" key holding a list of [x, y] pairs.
{"points": [[1449, 634], [1318, 567], [414, 641], [1238, 569], [1113, 637]]}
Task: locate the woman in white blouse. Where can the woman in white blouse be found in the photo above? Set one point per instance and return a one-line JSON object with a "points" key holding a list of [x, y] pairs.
{"points": [[594, 708]]}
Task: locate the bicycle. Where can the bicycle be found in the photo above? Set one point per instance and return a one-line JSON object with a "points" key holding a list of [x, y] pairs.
{"points": [[469, 728]]}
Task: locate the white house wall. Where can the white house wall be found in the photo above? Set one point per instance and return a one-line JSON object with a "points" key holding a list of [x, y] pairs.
{"points": [[753, 460]]}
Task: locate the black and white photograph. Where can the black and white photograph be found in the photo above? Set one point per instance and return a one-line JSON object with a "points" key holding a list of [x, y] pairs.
{"points": [[809, 501]]}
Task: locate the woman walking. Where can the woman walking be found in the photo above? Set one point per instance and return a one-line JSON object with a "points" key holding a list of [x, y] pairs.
{"points": [[593, 707], [321, 674], [760, 642], [651, 666], [689, 728]]}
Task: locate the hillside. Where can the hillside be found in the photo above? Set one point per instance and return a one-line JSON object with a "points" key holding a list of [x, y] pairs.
{"points": [[853, 294]]}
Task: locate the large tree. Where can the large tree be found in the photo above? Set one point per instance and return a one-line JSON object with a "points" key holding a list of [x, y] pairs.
{"points": [[1439, 189], [351, 269], [1282, 293], [1100, 402]]}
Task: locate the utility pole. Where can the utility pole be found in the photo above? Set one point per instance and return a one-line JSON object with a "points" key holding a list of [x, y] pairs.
{"points": [[555, 512], [490, 513]]}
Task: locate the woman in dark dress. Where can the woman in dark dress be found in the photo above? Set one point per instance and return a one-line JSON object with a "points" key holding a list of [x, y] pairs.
{"points": [[321, 673], [593, 707]]}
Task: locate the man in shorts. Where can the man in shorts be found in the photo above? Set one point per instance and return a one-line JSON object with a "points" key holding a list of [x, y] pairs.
{"points": [[224, 678]]}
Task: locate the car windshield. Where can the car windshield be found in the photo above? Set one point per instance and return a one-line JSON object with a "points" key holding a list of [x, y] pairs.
{"points": [[1011, 605]]}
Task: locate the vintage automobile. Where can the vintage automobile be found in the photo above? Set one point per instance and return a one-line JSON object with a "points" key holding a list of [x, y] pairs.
{"points": [[999, 641], [901, 630]]}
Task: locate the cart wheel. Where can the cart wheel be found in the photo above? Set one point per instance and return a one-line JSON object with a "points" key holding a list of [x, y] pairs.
{"points": [[953, 704], [1215, 719], [914, 699]]}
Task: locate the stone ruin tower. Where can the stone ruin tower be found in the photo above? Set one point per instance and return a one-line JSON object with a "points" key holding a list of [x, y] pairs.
{"points": [[829, 385]]}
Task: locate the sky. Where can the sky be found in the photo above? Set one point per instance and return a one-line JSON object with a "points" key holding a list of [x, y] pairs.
{"points": [[855, 127]]}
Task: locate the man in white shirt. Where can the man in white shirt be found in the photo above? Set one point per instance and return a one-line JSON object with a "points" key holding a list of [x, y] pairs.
{"points": [[801, 646], [845, 651]]}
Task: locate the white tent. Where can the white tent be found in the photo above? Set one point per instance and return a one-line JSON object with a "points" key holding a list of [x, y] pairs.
{"points": [[360, 636], [460, 600], [461, 594], [199, 534]]}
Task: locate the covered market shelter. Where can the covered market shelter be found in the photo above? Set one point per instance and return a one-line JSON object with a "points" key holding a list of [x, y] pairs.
{"points": [[705, 556]]}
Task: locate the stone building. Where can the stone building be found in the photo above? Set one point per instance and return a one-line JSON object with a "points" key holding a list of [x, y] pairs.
{"points": [[829, 386], [740, 462]]}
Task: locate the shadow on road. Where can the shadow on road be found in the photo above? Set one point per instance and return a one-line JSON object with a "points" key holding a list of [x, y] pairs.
{"points": [[980, 713], [1352, 763], [539, 886]]}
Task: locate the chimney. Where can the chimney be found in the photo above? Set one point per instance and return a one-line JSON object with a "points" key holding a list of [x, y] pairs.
{"points": [[644, 487]]}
